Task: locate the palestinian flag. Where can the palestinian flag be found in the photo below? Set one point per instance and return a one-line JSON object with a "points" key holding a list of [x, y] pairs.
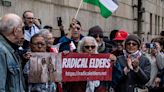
{"points": [[107, 7]]}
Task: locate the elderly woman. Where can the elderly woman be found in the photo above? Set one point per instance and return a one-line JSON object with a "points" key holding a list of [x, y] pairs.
{"points": [[88, 45], [48, 37], [136, 66]]}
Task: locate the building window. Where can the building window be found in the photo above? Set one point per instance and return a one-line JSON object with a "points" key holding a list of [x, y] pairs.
{"points": [[156, 24], [162, 22], [150, 23]]}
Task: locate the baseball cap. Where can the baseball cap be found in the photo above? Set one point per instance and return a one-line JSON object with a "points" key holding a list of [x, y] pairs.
{"points": [[121, 35]]}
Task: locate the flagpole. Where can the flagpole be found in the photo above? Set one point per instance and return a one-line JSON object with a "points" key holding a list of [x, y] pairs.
{"points": [[78, 9]]}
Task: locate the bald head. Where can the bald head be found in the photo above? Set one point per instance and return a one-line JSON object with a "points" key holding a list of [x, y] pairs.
{"points": [[11, 27], [10, 21]]}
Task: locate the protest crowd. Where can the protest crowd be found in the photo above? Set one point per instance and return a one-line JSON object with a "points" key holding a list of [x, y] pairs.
{"points": [[136, 66]]}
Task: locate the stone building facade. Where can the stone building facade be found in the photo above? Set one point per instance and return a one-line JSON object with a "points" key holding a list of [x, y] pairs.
{"points": [[124, 18]]}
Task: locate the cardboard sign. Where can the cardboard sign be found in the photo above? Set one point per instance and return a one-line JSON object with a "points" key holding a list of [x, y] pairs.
{"points": [[44, 67], [83, 67]]}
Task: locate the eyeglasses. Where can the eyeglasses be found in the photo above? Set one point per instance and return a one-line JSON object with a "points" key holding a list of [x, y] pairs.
{"points": [[30, 18], [95, 36], [92, 47], [74, 27], [78, 28], [129, 43], [42, 44]]}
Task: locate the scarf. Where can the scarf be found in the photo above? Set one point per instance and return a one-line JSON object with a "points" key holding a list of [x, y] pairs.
{"points": [[136, 54], [101, 48]]}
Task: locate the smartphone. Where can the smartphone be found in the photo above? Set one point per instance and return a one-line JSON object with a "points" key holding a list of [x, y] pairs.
{"points": [[59, 21], [150, 45]]}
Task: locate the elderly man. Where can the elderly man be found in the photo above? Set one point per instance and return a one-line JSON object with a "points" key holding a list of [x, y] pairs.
{"points": [[30, 28], [11, 35]]}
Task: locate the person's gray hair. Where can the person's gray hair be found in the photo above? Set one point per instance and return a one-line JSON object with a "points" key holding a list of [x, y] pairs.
{"points": [[83, 40], [8, 22], [44, 32]]}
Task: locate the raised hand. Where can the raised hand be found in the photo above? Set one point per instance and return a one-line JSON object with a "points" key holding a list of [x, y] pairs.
{"points": [[129, 63], [112, 58], [135, 64]]}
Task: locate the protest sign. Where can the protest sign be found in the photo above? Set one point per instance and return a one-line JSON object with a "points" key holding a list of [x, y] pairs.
{"points": [[83, 67], [44, 67]]}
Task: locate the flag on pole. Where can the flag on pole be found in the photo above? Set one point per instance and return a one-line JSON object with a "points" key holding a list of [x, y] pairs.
{"points": [[107, 7]]}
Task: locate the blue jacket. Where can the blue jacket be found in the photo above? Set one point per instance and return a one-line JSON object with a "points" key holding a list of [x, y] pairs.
{"points": [[11, 79], [132, 79], [65, 41]]}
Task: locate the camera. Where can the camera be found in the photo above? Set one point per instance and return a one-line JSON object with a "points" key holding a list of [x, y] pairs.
{"points": [[59, 21], [150, 45]]}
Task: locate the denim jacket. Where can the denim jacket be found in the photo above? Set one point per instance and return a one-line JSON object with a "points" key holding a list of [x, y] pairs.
{"points": [[10, 70]]}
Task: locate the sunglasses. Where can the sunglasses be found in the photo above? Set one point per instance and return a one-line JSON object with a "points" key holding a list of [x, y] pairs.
{"points": [[129, 43], [92, 47], [75, 27], [78, 28]]}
